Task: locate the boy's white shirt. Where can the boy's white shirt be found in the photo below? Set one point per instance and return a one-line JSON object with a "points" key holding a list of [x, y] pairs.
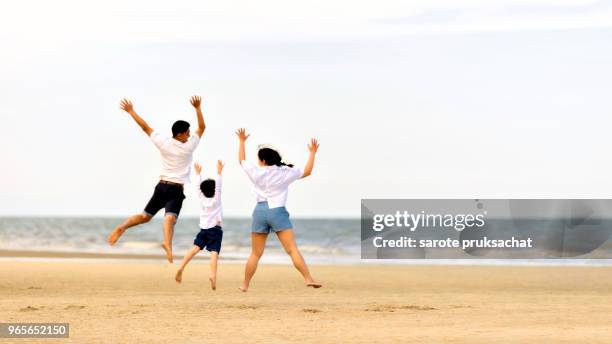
{"points": [[271, 183], [176, 156], [211, 211]]}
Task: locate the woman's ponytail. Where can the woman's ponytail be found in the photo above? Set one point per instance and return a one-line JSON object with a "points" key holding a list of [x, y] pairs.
{"points": [[271, 157], [283, 164]]}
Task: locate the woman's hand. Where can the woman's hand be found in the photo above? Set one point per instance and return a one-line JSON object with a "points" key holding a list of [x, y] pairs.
{"points": [[313, 146], [242, 135]]}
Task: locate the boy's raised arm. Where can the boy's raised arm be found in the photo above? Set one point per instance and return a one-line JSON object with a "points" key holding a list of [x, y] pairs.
{"points": [[220, 166], [218, 180], [196, 101], [127, 106], [312, 147], [198, 170]]}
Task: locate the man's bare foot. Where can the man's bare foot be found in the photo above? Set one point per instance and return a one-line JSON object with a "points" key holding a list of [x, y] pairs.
{"points": [[179, 276], [213, 282], [243, 289], [314, 284], [115, 235], [168, 250]]}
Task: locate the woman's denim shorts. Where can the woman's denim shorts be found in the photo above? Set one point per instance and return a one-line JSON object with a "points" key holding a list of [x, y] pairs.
{"points": [[267, 219]]}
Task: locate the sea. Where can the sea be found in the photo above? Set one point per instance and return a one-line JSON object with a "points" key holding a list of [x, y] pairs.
{"points": [[333, 241], [321, 241]]}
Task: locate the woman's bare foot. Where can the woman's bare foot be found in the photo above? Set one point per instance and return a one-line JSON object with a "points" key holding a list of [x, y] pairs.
{"points": [[314, 284], [213, 282], [115, 235], [168, 250], [179, 276]]}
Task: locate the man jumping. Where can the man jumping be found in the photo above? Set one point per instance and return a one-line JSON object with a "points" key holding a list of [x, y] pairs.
{"points": [[176, 155]]}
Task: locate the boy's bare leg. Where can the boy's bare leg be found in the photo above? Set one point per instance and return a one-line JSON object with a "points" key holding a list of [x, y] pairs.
{"points": [[214, 256], [132, 221], [287, 239], [179, 274], [169, 222], [258, 243]]}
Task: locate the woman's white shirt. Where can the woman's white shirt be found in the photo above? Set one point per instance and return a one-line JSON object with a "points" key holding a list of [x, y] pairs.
{"points": [[271, 183]]}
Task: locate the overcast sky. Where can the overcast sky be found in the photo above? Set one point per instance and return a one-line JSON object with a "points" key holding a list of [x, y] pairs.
{"points": [[410, 99]]}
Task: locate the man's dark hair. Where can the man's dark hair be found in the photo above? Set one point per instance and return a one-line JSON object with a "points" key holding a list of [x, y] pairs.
{"points": [[179, 127], [208, 187]]}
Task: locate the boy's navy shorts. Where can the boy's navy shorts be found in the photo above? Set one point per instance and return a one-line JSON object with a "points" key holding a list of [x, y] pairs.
{"points": [[168, 196], [210, 239]]}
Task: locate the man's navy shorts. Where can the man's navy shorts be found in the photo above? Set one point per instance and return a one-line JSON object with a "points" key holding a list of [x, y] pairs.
{"points": [[210, 239]]}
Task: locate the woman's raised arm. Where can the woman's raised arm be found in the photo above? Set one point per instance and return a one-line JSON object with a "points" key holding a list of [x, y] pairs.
{"points": [[312, 147], [242, 136]]}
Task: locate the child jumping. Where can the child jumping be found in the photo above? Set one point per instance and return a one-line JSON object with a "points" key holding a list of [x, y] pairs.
{"points": [[211, 233], [271, 181]]}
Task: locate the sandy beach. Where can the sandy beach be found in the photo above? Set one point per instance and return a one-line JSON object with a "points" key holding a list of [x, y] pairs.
{"points": [[118, 302]]}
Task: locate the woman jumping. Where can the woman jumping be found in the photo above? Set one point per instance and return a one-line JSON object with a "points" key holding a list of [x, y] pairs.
{"points": [[271, 181]]}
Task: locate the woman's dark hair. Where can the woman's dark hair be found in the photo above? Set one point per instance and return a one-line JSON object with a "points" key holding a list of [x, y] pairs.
{"points": [[179, 127], [208, 187], [271, 157]]}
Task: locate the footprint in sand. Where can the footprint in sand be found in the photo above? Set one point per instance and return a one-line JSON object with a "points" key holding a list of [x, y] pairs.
{"points": [[418, 308], [29, 309], [71, 307], [246, 307], [311, 310], [393, 308]]}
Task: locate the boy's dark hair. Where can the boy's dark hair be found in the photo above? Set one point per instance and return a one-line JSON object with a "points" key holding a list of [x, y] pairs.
{"points": [[179, 127], [208, 187], [271, 157]]}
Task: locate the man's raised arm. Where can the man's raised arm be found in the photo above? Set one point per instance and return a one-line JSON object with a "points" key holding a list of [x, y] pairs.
{"points": [[127, 106], [196, 101]]}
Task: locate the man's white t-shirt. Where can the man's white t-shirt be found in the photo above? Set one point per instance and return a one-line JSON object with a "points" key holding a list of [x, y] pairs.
{"points": [[271, 183], [176, 157], [211, 212]]}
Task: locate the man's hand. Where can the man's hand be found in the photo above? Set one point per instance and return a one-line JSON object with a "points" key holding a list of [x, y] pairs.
{"points": [[198, 168], [126, 105], [220, 166], [313, 146], [196, 101], [242, 135]]}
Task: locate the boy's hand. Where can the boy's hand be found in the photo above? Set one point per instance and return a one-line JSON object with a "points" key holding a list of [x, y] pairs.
{"points": [[126, 105], [313, 146], [196, 101], [242, 135], [198, 168], [220, 166]]}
